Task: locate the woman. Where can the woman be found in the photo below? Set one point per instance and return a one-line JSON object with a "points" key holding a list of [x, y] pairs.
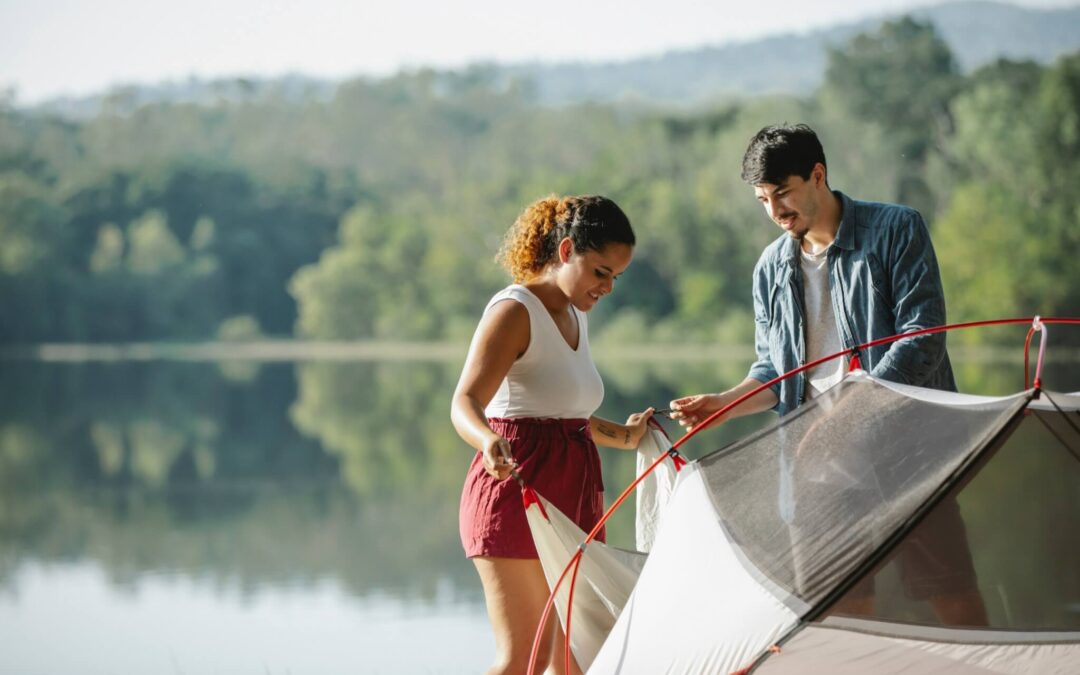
{"points": [[526, 399]]}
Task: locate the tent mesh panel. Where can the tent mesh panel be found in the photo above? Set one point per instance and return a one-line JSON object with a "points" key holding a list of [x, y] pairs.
{"points": [[810, 498]]}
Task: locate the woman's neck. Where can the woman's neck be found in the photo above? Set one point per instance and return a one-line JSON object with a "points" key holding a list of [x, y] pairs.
{"points": [[549, 293]]}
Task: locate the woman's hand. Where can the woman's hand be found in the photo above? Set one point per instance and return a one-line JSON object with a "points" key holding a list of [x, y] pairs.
{"points": [[637, 424], [623, 436], [497, 459]]}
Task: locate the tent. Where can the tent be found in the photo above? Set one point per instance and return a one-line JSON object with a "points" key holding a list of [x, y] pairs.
{"points": [[796, 549]]}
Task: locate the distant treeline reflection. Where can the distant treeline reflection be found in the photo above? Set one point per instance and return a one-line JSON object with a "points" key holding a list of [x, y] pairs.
{"points": [[275, 473]]}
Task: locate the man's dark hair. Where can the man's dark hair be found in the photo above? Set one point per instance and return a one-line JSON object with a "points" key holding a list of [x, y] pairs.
{"points": [[780, 151]]}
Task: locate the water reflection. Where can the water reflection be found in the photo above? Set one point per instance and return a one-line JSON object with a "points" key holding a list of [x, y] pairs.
{"points": [[62, 615], [152, 495]]}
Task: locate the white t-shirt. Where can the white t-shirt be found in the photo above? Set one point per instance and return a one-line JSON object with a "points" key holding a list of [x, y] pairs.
{"points": [[822, 336], [550, 380]]}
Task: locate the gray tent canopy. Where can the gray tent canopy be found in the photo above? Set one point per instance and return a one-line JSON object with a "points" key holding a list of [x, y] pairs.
{"points": [[890, 475]]}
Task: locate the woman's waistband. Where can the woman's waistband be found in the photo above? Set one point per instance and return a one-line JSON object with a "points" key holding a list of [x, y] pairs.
{"points": [[541, 425], [568, 422]]}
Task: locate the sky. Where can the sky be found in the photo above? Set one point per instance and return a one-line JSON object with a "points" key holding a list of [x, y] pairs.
{"points": [[51, 48]]}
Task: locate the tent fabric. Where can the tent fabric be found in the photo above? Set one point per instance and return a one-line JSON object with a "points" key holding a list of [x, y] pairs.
{"points": [[812, 496], [759, 538], [1019, 507], [823, 649], [654, 491], [605, 579], [607, 574], [944, 634], [693, 589]]}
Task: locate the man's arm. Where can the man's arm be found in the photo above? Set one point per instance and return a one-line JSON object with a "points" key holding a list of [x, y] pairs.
{"points": [[690, 410], [763, 369], [918, 303]]}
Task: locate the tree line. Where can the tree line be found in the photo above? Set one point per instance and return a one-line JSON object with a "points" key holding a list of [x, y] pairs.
{"points": [[376, 214]]}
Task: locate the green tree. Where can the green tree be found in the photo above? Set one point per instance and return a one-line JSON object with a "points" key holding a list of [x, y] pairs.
{"points": [[1008, 237], [901, 77], [369, 286]]}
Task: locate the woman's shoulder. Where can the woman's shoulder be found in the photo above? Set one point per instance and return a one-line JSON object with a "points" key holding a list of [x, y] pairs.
{"points": [[510, 307], [507, 323], [507, 306], [511, 292]]}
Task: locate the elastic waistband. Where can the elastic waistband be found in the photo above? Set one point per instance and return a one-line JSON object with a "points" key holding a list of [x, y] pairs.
{"points": [[543, 426], [566, 423]]}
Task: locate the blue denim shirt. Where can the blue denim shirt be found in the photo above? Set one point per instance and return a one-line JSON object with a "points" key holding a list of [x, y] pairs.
{"points": [[884, 280]]}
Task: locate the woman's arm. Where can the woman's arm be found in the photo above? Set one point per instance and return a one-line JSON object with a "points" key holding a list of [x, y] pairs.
{"points": [[501, 337], [622, 436]]}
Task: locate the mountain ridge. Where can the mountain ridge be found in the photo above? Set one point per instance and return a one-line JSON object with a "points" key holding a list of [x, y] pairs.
{"points": [[977, 32]]}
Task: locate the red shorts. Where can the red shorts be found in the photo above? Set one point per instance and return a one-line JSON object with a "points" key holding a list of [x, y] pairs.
{"points": [[555, 457]]}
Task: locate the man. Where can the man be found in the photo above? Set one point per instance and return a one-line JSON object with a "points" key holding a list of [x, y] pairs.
{"points": [[845, 272]]}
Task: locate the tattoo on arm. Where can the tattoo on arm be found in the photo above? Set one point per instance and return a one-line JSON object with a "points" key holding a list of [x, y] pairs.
{"points": [[607, 431], [627, 440]]}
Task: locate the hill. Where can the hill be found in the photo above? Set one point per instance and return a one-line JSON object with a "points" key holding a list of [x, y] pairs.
{"points": [[976, 32]]}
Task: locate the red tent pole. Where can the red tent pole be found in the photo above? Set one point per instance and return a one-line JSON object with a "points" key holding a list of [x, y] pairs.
{"points": [[867, 345]]}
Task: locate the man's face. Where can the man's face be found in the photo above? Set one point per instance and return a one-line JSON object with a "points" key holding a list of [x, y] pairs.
{"points": [[792, 204]]}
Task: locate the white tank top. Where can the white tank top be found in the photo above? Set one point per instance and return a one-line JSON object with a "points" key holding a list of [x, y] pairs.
{"points": [[550, 380]]}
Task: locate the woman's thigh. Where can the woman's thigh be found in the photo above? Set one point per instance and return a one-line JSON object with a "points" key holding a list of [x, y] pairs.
{"points": [[516, 592]]}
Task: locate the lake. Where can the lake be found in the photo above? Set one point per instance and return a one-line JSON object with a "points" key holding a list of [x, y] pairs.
{"points": [[239, 516]]}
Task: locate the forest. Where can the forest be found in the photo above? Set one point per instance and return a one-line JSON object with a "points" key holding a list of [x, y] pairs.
{"points": [[375, 213]]}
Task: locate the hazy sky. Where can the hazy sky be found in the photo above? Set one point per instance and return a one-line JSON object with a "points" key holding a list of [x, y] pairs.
{"points": [[54, 47]]}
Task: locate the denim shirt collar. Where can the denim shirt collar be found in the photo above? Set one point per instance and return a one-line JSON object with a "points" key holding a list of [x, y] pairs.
{"points": [[845, 234]]}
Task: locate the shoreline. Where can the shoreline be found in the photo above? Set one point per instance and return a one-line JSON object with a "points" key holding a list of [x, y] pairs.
{"points": [[308, 350]]}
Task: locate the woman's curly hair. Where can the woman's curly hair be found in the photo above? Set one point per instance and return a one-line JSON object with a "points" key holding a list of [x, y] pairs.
{"points": [[591, 222]]}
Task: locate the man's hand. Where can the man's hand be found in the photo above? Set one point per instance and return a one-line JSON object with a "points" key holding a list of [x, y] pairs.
{"points": [[689, 411]]}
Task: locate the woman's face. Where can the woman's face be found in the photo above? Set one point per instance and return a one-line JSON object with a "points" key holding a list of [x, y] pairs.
{"points": [[590, 275]]}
